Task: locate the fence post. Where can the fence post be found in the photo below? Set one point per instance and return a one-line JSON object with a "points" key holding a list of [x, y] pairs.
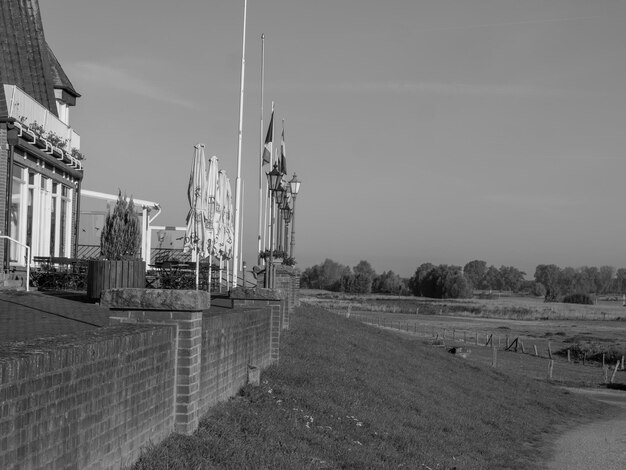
{"points": [[536, 352], [614, 372], [494, 356], [549, 350], [550, 368]]}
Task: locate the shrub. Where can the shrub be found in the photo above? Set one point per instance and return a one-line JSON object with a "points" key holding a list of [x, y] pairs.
{"points": [[578, 299], [121, 234]]}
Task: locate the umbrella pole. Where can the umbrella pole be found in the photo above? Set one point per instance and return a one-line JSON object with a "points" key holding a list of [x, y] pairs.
{"points": [[221, 273], [210, 272], [197, 270]]}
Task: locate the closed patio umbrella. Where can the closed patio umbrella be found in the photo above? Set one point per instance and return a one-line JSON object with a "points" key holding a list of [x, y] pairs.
{"points": [[212, 187], [196, 235]]}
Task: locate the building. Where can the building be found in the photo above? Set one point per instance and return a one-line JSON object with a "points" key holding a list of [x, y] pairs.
{"points": [[40, 161]]}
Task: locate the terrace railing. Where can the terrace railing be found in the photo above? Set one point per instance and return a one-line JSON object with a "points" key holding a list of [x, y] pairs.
{"points": [[22, 106]]}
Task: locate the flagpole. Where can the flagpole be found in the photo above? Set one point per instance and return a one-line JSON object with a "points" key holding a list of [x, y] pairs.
{"points": [[243, 193], [261, 153], [238, 181], [266, 195]]}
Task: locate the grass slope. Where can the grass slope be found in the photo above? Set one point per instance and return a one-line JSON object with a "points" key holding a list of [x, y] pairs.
{"points": [[346, 395]]}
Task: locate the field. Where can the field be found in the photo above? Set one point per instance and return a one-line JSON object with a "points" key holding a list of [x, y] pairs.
{"points": [[594, 335]]}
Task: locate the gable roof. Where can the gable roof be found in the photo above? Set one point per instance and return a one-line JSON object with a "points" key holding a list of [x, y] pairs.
{"points": [[26, 60], [59, 78]]}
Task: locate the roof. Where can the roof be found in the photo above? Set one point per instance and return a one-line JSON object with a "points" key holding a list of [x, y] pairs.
{"points": [[26, 60], [60, 79]]}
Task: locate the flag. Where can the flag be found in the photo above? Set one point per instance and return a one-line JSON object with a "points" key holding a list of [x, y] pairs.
{"points": [[283, 156], [267, 148]]}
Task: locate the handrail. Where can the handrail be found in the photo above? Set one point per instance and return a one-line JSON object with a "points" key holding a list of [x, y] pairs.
{"points": [[27, 258]]}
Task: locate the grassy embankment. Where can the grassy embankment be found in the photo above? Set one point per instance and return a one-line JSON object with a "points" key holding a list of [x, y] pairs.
{"points": [[502, 305], [347, 395]]}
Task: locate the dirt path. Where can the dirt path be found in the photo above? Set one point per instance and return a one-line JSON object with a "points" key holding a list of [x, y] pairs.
{"points": [[597, 445]]}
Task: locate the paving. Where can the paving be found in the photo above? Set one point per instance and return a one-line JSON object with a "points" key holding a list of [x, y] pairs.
{"points": [[29, 315], [600, 444]]}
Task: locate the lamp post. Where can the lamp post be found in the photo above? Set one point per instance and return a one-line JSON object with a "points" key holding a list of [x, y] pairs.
{"points": [[273, 183], [294, 187], [286, 212], [280, 199]]}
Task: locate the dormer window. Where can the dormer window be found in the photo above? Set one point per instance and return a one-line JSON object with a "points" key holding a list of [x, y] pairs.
{"points": [[63, 109]]}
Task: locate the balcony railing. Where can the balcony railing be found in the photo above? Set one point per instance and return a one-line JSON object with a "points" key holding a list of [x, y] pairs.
{"points": [[28, 113]]}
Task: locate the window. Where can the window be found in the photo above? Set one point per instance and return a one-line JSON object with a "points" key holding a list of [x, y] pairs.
{"points": [[41, 215], [18, 214]]}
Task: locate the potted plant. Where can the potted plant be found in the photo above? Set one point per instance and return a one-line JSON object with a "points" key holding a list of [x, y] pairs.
{"points": [[120, 249]]}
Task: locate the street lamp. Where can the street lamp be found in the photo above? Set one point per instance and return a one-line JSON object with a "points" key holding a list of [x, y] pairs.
{"points": [[294, 187], [274, 180], [286, 213]]}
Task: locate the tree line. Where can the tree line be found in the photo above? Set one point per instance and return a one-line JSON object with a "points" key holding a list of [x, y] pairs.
{"points": [[449, 281], [360, 279]]}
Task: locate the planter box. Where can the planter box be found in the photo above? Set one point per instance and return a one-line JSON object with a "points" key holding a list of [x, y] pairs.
{"points": [[105, 275]]}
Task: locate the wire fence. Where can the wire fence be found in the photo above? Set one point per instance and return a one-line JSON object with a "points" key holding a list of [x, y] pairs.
{"points": [[532, 356]]}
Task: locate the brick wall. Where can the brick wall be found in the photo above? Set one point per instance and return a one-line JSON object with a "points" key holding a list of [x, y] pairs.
{"points": [[86, 402], [230, 343], [94, 400]]}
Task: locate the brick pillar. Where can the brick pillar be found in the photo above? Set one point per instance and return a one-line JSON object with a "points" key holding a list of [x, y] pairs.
{"points": [[183, 310], [285, 276]]}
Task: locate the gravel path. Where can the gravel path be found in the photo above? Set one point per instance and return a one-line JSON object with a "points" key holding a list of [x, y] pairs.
{"points": [[597, 445]]}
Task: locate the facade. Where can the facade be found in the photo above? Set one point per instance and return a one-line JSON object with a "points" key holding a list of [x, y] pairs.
{"points": [[40, 161]]}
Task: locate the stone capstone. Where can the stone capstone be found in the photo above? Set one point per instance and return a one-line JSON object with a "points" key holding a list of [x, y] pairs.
{"points": [[155, 299]]}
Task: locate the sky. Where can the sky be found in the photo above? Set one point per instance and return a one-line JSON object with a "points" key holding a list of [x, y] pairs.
{"points": [[437, 131]]}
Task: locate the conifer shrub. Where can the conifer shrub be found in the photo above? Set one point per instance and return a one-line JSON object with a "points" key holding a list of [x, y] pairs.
{"points": [[121, 234]]}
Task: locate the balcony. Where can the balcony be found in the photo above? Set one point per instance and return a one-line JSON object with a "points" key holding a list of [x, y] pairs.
{"points": [[40, 127]]}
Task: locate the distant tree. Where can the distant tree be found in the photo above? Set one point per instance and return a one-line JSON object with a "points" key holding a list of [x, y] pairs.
{"points": [[441, 282], [589, 280], [549, 276], [538, 290], [475, 272], [511, 278], [492, 279], [621, 280], [388, 282], [566, 280], [530, 287], [364, 277], [415, 282], [364, 267], [605, 278], [327, 276], [455, 284]]}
